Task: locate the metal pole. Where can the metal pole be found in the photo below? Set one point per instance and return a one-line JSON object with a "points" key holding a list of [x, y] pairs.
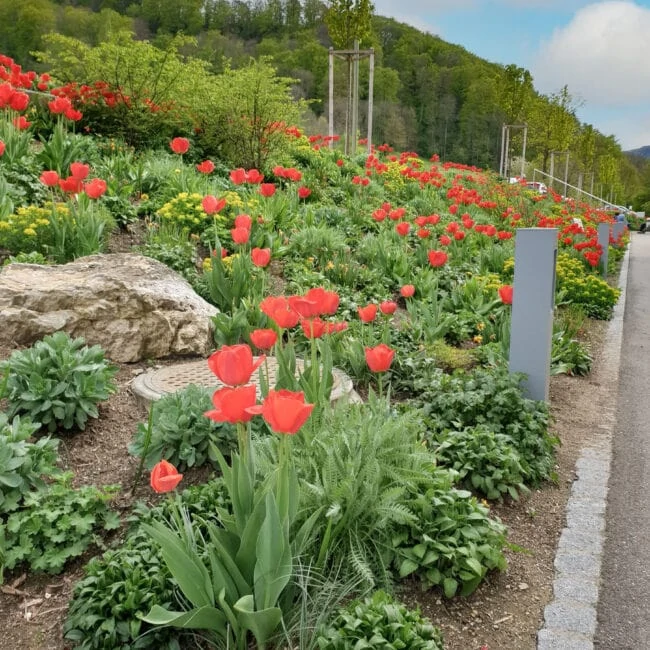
{"points": [[331, 98], [523, 153], [507, 159], [502, 172], [566, 172], [355, 96], [551, 171], [371, 89]]}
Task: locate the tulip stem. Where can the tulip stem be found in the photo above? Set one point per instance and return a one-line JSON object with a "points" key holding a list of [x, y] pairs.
{"points": [[380, 377]]}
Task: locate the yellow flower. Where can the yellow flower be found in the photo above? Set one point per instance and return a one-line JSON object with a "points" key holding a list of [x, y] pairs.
{"points": [[30, 232], [478, 339]]}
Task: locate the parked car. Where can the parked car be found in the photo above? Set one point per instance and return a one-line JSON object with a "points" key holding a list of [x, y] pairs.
{"points": [[536, 186]]}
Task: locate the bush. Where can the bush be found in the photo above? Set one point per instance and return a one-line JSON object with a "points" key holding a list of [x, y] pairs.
{"points": [[57, 524], [23, 463], [582, 288], [453, 542], [181, 433], [486, 462], [380, 623], [491, 397], [124, 583], [58, 382]]}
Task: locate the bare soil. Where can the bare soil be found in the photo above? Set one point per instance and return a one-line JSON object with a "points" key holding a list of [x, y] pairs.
{"points": [[503, 614]]}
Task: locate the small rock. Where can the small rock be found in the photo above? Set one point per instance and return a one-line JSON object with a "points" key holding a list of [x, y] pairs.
{"points": [[523, 586]]}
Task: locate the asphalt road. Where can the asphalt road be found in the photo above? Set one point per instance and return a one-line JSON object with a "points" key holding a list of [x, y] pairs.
{"points": [[624, 603]]}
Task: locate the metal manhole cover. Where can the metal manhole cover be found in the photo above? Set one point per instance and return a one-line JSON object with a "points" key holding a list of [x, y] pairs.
{"points": [[152, 385]]}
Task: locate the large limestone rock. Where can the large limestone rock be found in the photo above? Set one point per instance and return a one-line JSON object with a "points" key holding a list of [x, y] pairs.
{"points": [[133, 306]]}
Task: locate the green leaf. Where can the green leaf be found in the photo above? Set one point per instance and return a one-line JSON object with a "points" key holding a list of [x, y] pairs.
{"points": [[202, 618], [261, 623], [449, 586], [184, 564], [274, 565]]}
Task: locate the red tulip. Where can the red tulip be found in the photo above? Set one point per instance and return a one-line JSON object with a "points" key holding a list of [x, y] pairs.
{"points": [[444, 240], [79, 170], [388, 307], [423, 233], [233, 364], [212, 205], [74, 116], [254, 177], [368, 313], [285, 317], [240, 235], [238, 176], [2, 147], [71, 185], [206, 167], [243, 221], [437, 258], [459, 235], [19, 101], [327, 301], [402, 228], [261, 256], [379, 358], [267, 189], [379, 215], [313, 328], [180, 145], [21, 123], [407, 291], [232, 404], [303, 192], [95, 188], [505, 293], [164, 477], [284, 411], [306, 307], [50, 178], [59, 105], [264, 339]]}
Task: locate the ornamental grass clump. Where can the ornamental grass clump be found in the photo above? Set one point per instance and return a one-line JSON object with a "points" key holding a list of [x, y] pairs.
{"points": [[58, 382]]}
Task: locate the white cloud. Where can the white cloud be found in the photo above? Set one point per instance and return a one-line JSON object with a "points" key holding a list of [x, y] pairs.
{"points": [[600, 55]]}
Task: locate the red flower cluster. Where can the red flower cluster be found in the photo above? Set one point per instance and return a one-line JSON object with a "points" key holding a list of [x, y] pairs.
{"points": [[180, 145], [289, 173], [240, 176]]}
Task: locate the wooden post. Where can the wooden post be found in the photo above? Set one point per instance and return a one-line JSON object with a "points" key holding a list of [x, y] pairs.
{"points": [[355, 96]]}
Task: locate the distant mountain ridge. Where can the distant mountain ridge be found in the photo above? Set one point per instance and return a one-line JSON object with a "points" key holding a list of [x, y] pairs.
{"points": [[641, 152]]}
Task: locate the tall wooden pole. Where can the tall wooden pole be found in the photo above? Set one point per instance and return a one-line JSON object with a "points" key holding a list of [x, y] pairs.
{"points": [[355, 96]]}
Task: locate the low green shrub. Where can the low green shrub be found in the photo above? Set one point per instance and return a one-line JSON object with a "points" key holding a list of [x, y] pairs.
{"points": [[23, 462], [452, 541], [582, 288], [125, 582], [57, 524], [486, 462], [58, 382], [181, 433], [492, 397], [379, 623]]}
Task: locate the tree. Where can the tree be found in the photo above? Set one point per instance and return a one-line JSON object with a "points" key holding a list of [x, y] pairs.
{"points": [[292, 15], [348, 21], [516, 93], [22, 26]]}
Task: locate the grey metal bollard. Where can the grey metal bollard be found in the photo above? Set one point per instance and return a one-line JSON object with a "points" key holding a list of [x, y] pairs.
{"points": [[531, 330], [617, 229], [603, 240]]}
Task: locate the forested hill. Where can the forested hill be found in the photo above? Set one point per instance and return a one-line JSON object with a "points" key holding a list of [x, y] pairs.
{"points": [[430, 96], [641, 152]]}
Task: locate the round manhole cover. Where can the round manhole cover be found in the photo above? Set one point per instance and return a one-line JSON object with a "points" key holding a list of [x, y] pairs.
{"points": [[152, 385]]}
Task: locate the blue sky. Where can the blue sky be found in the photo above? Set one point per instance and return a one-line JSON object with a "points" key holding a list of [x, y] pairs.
{"points": [[599, 49]]}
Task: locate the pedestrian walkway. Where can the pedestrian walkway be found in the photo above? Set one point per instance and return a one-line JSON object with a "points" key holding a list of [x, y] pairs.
{"points": [[624, 603], [602, 590]]}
